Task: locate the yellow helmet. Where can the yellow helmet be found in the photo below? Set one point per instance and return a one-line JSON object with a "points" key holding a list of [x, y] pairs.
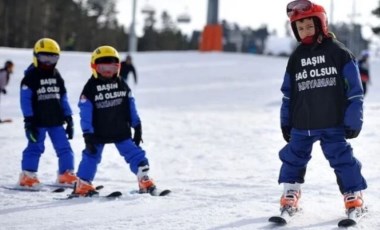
{"points": [[101, 52], [45, 45]]}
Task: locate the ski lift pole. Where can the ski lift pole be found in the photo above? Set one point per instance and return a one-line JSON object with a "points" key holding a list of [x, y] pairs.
{"points": [[132, 33], [212, 12], [212, 33], [331, 12]]}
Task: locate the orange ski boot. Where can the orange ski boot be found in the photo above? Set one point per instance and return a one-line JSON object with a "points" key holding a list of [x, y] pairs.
{"points": [[67, 177], [146, 184], [84, 188], [29, 179]]}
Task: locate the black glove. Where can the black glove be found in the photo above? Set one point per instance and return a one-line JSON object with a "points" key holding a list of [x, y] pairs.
{"points": [[30, 129], [89, 140], [286, 132], [69, 127], [3, 91], [137, 137], [351, 133]]}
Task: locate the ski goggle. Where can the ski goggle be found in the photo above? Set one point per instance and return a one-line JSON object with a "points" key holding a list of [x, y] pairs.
{"points": [[48, 59], [299, 7], [107, 70]]}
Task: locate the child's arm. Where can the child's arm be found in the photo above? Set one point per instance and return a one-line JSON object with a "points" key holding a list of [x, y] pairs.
{"points": [[284, 113], [66, 106], [354, 112], [64, 99], [135, 118], [85, 113], [285, 106], [26, 95]]}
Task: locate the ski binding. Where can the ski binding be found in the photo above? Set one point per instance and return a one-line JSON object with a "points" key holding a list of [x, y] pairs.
{"points": [[153, 192], [112, 195], [354, 215], [286, 215]]}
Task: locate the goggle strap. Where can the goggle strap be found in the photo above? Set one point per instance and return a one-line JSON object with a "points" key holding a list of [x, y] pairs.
{"points": [[298, 6]]}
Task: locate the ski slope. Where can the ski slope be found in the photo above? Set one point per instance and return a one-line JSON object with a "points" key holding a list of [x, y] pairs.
{"points": [[211, 132]]}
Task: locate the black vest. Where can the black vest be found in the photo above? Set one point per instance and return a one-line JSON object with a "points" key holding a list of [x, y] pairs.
{"points": [[318, 98], [47, 89], [111, 117]]}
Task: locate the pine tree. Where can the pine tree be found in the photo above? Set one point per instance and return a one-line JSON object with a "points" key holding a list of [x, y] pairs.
{"points": [[376, 12]]}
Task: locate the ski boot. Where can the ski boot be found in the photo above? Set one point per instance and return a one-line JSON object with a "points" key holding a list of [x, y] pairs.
{"points": [[289, 199], [29, 179], [355, 209], [288, 204], [146, 184], [353, 200], [84, 189], [68, 178]]}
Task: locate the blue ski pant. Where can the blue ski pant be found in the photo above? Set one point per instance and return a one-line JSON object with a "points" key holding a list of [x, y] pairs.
{"points": [[32, 153], [297, 153], [132, 154]]}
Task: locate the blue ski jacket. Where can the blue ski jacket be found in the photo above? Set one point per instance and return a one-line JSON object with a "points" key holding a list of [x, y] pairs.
{"points": [[322, 88]]}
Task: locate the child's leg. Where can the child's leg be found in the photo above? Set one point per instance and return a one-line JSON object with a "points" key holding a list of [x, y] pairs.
{"points": [[340, 156], [32, 153], [295, 156], [133, 154], [62, 148], [88, 166]]}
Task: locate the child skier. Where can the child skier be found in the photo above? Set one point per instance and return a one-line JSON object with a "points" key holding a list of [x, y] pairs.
{"points": [[126, 67], [108, 112], [363, 65], [45, 107], [4, 80], [5, 76], [322, 101]]}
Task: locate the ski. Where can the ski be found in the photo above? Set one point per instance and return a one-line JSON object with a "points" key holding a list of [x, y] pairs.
{"points": [[54, 188], [285, 217], [8, 120], [59, 185], [71, 186], [154, 192], [354, 215], [58, 190], [158, 192], [35, 189], [112, 195]]}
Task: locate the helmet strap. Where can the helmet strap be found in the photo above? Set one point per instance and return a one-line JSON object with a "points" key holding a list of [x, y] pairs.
{"points": [[44, 67], [106, 79], [308, 40]]}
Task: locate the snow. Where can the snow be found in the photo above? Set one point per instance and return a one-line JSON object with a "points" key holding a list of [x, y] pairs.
{"points": [[211, 132], [278, 46]]}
